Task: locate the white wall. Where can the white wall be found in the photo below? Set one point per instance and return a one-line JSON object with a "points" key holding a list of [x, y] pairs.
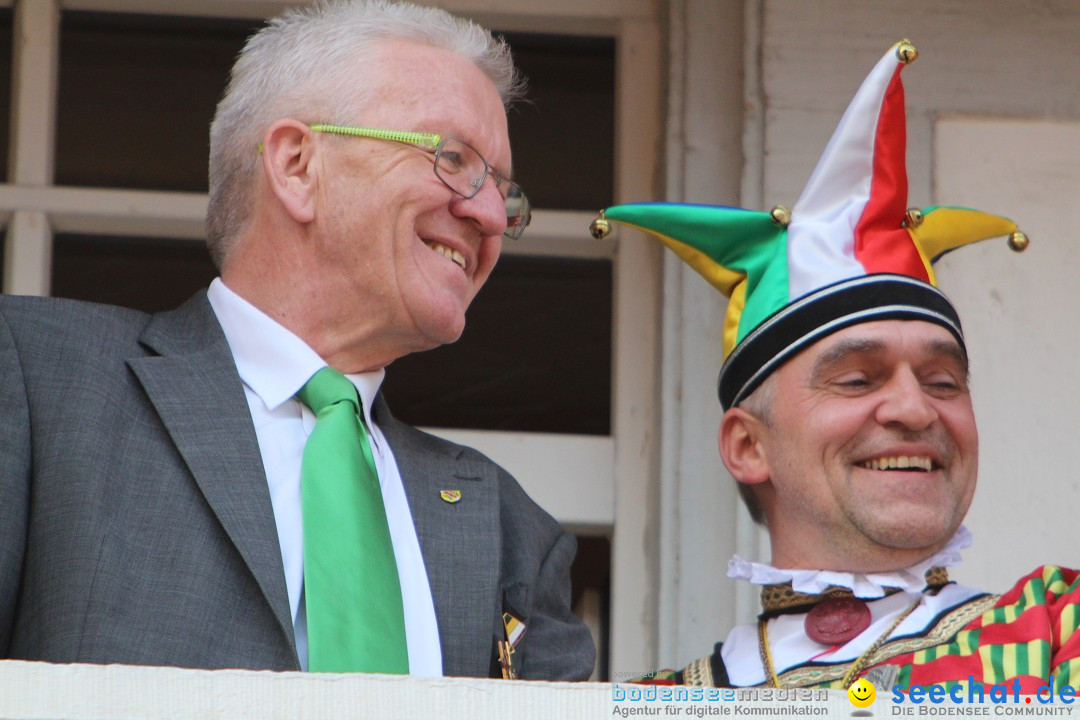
{"points": [[1023, 337], [42, 691]]}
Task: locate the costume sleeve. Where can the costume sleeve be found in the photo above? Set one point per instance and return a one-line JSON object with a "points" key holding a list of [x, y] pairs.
{"points": [[1063, 599], [1032, 631], [14, 479]]}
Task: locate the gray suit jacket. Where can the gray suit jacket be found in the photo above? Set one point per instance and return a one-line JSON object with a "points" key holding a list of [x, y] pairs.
{"points": [[136, 524]]}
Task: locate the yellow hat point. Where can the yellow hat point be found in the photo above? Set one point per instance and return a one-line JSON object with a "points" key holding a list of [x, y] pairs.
{"points": [[1018, 242], [781, 216], [600, 227], [906, 52], [913, 218]]}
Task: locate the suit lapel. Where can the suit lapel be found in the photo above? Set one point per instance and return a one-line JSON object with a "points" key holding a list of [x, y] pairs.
{"points": [[194, 386], [460, 541]]}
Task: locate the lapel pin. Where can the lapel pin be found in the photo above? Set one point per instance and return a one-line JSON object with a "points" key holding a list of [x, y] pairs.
{"points": [[514, 630], [450, 496]]}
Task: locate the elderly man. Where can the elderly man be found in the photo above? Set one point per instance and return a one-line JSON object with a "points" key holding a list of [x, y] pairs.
{"points": [[849, 427], [222, 485]]}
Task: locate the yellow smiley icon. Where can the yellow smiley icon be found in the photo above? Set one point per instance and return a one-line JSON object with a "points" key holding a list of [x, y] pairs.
{"points": [[862, 693]]}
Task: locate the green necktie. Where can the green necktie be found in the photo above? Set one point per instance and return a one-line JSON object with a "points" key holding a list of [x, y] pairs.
{"points": [[355, 618]]}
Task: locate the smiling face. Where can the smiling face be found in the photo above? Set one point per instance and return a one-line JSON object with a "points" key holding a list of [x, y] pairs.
{"points": [[862, 693], [403, 254], [871, 448]]}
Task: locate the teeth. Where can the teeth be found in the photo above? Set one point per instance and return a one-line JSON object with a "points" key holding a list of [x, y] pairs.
{"points": [[899, 462], [448, 253]]}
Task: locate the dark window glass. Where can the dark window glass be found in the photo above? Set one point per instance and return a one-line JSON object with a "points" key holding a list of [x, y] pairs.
{"points": [[145, 274], [137, 93], [591, 571], [535, 355], [563, 135], [5, 90]]}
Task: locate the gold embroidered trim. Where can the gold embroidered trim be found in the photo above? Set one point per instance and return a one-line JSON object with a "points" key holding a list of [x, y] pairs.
{"points": [[699, 673], [943, 632], [937, 577], [783, 597]]}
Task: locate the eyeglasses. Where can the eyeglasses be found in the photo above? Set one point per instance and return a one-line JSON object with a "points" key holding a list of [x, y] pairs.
{"points": [[458, 165]]}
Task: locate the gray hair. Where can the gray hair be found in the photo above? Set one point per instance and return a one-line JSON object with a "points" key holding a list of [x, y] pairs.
{"points": [[759, 404], [294, 67]]}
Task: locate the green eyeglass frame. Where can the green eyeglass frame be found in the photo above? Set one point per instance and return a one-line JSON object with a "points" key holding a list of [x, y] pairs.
{"points": [[451, 156]]}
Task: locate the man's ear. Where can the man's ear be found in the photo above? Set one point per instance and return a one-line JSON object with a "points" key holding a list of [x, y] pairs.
{"points": [[741, 447], [288, 162]]}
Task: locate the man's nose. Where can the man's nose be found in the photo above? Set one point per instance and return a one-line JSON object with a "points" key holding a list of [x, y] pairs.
{"points": [[906, 402], [487, 208]]}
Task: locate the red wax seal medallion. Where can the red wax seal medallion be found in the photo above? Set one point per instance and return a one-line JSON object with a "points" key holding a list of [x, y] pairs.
{"points": [[835, 621]]}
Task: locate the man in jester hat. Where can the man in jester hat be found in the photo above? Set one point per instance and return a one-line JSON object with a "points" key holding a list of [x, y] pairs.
{"points": [[849, 427]]}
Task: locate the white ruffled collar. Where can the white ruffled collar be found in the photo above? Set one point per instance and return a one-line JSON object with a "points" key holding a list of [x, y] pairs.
{"points": [[864, 585]]}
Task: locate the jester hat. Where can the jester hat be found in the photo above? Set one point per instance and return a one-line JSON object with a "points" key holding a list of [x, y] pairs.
{"points": [[849, 251]]}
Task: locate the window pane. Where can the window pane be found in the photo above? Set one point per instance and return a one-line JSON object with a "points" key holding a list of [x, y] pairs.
{"points": [[563, 136], [148, 275], [5, 89], [535, 355], [137, 93], [591, 574]]}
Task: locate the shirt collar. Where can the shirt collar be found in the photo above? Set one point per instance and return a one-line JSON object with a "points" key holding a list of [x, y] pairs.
{"points": [[864, 585], [272, 361]]}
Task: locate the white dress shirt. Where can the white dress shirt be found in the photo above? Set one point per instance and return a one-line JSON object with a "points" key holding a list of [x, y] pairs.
{"points": [[273, 365]]}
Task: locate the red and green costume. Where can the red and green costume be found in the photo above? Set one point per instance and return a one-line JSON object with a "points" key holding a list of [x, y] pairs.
{"points": [[1031, 634]]}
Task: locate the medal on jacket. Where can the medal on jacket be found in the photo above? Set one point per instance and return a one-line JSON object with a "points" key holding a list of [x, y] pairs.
{"points": [[836, 620], [514, 630]]}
